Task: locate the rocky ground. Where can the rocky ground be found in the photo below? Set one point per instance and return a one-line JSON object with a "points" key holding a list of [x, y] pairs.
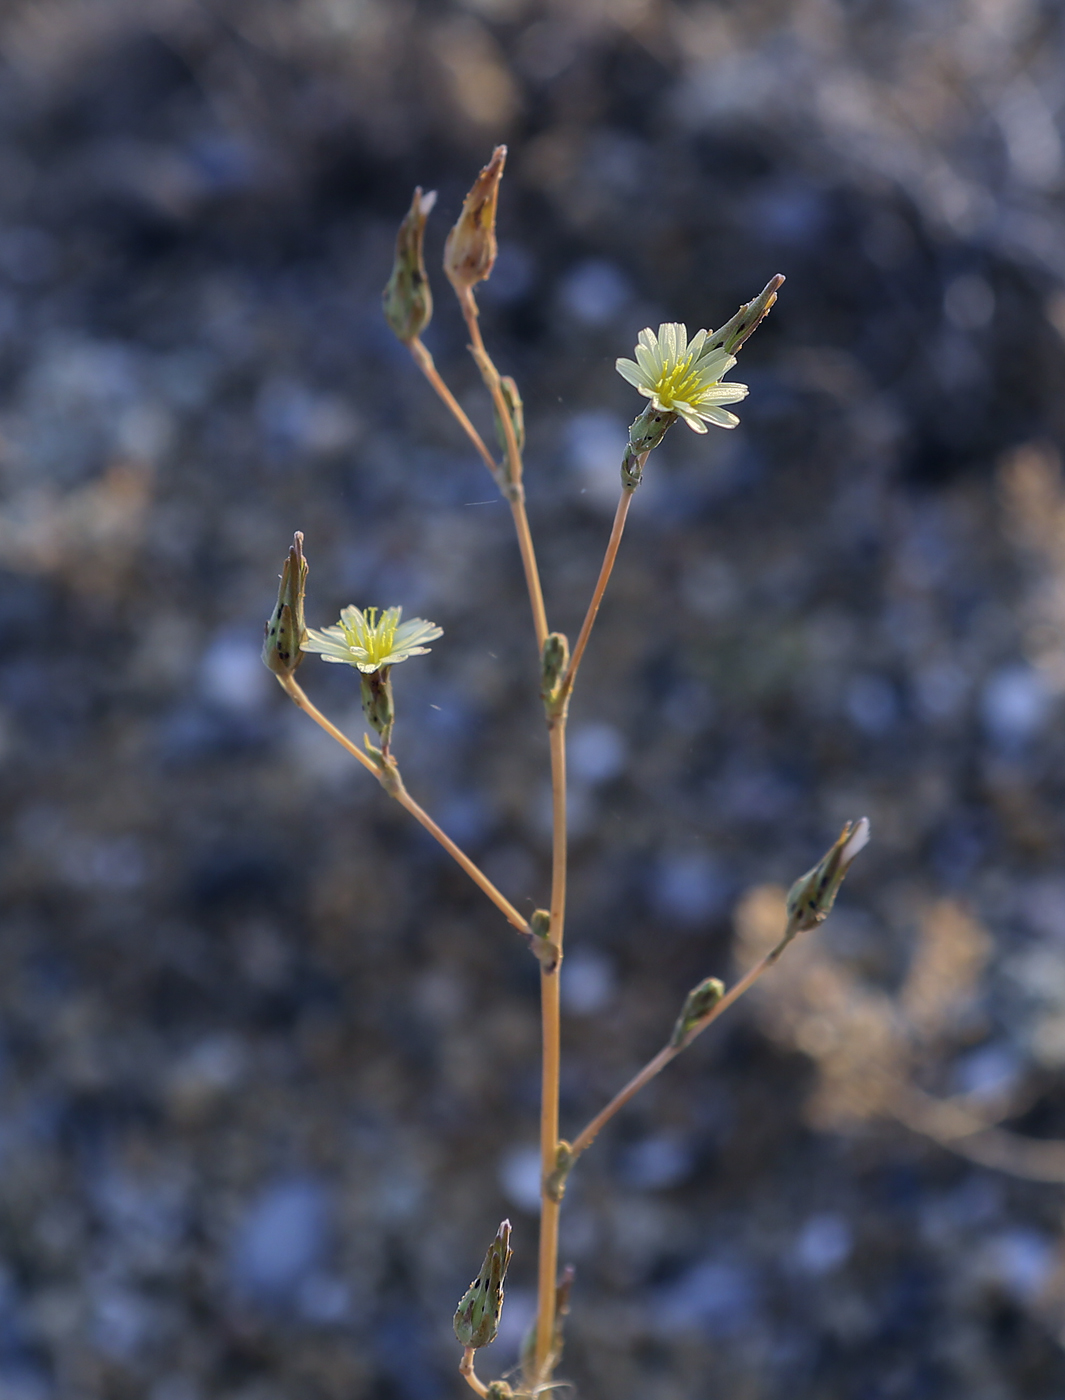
{"points": [[269, 1062]]}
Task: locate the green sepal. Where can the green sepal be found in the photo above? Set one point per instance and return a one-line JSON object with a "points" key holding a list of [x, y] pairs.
{"points": [[812, 896], [698, 1004], [746, 320], [477, 1316], [408, 300], [285, 631], [377, 703], [645, 433]]}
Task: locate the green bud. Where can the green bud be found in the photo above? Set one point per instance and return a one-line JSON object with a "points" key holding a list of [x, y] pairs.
{"points": [[499, 1390], [746, 320], [644, 434], [554, 658], [516, 409], [540, 940], [699, 1002], [285, 630], [812, 896], [408, 300], [477, 1317], [377, 706], [555, 1185], [470, 250]]}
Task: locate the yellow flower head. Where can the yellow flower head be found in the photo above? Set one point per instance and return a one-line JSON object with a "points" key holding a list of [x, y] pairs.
{"points": [[369, 642], [683, 377]]}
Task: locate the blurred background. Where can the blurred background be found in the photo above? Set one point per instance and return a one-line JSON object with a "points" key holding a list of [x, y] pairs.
{"points": [[268, 1074]]}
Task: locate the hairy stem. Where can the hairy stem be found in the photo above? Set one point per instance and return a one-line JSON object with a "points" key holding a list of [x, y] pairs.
{"points": [[607, 568], [396, 789]]}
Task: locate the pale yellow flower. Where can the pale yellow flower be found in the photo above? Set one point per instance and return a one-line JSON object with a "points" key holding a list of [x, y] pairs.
{"points": [[369, 642], [681, 376]]}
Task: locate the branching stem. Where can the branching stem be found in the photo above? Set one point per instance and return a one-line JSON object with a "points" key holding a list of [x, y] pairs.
{"points": [[396, 789], [668, 1053]]}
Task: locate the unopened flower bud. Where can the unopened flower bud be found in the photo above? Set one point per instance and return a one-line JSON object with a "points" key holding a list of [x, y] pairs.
{"points": [[408, 300], [812, 896], [746, 320], [499, 1390], [699, 1002], [285, 630], [477, 1317], [470, 250]]}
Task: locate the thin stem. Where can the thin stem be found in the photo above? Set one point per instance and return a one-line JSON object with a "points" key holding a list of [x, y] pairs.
{"points": [[296, 692], [607, 568], [516, 493], [477, 875], [532, 573], [670, 1052], [396, 789], [551, 1022], [469, 1375], [424, 360]]}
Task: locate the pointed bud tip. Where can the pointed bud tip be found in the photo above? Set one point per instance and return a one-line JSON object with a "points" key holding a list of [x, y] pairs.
{"points": [[470, 250], [856, 841]]}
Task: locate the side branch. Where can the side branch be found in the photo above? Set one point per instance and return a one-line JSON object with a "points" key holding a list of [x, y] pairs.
{"points": [[669, 1053], [393, 785], [514, 491], [424, 360], [607, 568]]}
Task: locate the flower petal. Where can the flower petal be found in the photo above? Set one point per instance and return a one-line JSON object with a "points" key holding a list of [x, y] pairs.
{"points": [[728, 392], [667, 339], [630, 371], [692, 419], [650, 361], [720, 416]]}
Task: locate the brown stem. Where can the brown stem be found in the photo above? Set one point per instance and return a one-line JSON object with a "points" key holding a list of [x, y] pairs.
{"points": [[424, 360], [607, 568], [670, 1052], [469, 1375], [547, 1276], [516, 493], [396, 789]]}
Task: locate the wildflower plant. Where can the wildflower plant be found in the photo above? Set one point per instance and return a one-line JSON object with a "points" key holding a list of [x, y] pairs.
{"points": [[681, 379]]}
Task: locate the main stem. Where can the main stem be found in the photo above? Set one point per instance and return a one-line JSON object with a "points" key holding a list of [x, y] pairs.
{"points": [[552, 1049]]}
